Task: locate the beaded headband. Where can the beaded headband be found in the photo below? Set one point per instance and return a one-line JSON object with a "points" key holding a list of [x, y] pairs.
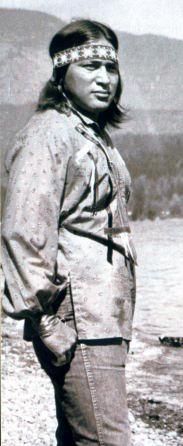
{"points": [[82, 52]]}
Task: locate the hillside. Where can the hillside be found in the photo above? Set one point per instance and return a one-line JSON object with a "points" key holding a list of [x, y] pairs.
{"points": [[153, 90], [151, 65], [27, 28]]}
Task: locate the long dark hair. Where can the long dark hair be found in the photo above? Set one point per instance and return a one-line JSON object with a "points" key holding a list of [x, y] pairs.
{"points": [[79, 32]]}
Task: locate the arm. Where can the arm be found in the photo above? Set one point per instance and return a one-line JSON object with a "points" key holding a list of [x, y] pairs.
{"points": [[30, 236], [30, 227]]}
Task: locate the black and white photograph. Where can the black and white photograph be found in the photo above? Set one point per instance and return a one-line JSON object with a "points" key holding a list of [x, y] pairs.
{"points": [[92, 222]]}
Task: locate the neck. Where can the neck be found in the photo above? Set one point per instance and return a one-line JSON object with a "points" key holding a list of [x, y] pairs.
{"points": [[94, 116]]}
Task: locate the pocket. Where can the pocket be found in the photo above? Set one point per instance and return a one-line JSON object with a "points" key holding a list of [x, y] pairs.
{"points": [[46, 358], [125, 349]]}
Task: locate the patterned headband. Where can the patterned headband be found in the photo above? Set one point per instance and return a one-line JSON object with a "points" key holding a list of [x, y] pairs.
{"points": [[82, 52]]}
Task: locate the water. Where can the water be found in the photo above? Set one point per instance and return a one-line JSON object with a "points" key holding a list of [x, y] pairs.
{"points": [[155, 370], [159, 309]]}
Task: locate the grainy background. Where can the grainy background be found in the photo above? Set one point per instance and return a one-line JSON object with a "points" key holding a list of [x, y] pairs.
{"points": [[151, 60]]}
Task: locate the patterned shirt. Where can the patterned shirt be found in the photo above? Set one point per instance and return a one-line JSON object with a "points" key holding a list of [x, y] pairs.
{"points": [[66, 224]]}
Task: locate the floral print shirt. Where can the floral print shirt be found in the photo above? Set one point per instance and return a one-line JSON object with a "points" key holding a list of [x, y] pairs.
{"points": [[66, 224]]}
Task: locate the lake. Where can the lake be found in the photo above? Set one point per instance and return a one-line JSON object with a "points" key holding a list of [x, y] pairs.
{"points": [[154, 371], [159, 245]]}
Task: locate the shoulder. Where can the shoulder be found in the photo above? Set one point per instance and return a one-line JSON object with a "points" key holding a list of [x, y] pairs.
{"points": [[47, 131], [47, 125]]}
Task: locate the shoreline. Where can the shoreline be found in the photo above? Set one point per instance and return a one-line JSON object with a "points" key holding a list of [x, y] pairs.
{"points": [[28, 400]]}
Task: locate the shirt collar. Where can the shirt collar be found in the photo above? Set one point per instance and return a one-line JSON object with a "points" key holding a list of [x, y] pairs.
{"points": [[85, 119], [92, 126]]}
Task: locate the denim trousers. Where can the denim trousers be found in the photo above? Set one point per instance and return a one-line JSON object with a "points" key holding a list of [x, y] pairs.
{"points": [[90, 394], [90, 391]]}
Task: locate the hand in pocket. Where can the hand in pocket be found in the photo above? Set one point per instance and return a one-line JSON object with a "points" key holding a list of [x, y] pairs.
{"points": [[58, 338]]}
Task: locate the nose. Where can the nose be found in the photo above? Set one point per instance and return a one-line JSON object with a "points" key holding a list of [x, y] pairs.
{"points": [[103, 76]]}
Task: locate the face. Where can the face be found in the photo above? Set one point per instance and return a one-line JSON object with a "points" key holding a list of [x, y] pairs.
{"points": [[91, 84]]}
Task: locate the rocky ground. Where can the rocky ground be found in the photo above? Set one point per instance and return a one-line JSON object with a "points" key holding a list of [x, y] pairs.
{"points": [[28, 401]]}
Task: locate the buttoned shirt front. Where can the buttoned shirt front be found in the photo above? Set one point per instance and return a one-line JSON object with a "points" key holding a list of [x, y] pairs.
{"points": [[65, 223]]}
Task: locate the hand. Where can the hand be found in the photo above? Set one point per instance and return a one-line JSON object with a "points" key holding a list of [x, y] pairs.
{"points": [[58, 338]]}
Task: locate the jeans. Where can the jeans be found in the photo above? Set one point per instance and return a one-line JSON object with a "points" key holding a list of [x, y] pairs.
{"points": [[90, 391], [90, 394]]}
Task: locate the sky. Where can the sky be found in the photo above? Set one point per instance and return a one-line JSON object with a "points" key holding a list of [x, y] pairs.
{"points": [[163, 17]]}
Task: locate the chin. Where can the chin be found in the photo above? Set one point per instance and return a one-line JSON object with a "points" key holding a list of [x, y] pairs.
{"points": [[100, 107]]}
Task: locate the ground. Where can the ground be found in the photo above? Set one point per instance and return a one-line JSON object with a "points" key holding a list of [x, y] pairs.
{"points": [[28, 400]]}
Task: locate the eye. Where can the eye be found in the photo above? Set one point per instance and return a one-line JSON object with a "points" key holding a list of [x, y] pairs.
{"points": [[91, 66], [112, 68]]}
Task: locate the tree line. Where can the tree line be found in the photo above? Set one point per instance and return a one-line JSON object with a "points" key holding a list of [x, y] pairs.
{"points": [[156, 166]]}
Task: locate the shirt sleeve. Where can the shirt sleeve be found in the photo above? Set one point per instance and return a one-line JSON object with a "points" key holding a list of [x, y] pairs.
{"points": [[30, 226]]}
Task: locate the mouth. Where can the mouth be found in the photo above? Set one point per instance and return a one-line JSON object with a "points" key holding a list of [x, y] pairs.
{"points": [[103, 94]]}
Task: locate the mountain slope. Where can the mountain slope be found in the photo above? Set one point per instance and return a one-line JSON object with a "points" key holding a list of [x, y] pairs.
{"points": [[151, 65], [151, 141]]}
